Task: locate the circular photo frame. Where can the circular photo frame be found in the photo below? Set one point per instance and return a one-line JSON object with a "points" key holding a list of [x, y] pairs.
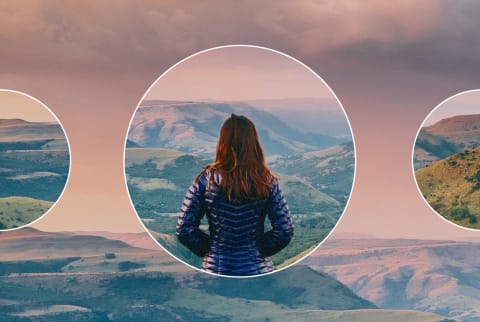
{"points": [[34, 159], [239, 212], [446, 159]]}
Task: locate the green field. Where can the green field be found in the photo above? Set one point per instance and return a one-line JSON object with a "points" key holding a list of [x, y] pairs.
{"points": [[18, 211], [298, 293], [33, 174], [38, 174]]}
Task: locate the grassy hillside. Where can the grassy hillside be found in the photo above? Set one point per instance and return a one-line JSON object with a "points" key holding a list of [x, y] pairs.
{"points": [[430, 148], [285, 296], [34, 163], [108, 280], [18, 211], [329, 171], [452, 187], [295, 287], [437, 276], [38, 174]]}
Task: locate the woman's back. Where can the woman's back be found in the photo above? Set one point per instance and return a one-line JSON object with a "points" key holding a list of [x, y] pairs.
{"points": [[237, 244]]}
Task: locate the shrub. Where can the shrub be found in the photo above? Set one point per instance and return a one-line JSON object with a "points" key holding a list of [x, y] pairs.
{"points": [[452, 163], [128, 265], [459, 213], [472, 219], [110, 255]]}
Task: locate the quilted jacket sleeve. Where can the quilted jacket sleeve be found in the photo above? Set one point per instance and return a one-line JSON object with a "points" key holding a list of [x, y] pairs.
{"points": [[281, 221], [192, 211]]}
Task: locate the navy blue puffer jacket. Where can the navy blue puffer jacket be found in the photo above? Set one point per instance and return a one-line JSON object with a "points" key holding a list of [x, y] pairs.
{"points": [[237, 244]]}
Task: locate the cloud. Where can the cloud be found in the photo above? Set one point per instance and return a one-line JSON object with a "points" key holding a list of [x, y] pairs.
{"points": [[436, 36], [315, 26], [451, 48]]}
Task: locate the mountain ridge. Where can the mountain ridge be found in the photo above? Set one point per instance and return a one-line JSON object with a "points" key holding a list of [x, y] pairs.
{"points": [[446, 137], [19, 130], [193, 127], [17, 244], [457, 123]]}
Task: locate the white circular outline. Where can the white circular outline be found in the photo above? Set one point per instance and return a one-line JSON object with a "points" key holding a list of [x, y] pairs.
{"points": [[308, 69], [69, 157], [413, 159]]}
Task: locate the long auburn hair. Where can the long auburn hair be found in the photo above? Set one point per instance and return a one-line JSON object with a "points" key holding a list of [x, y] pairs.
{"points": [[240, 160]]}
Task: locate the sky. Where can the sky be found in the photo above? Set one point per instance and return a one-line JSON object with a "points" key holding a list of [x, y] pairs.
{"points": [[238, 74], [465, 103], [389, 64], [18, 105]]}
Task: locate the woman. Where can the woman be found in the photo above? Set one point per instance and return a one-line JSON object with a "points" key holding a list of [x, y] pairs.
{"points": [[236, 192]]}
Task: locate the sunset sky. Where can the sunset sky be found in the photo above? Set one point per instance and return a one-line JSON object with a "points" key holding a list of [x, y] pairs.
{"points": [[238, 73], [464, 103], [18, 105], [389, 64]]}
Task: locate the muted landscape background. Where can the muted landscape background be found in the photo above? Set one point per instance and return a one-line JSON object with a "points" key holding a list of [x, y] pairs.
{"points": [[389, 64]]}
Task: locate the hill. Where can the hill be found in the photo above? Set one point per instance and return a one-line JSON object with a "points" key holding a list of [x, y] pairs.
{"points": [[315, 115], [452, 187], [19, 211], [80, 288], [38, 174], [34, 159], [127, 297], [193, 127], [330, 170], [137, 240], [31, 244], [434, 276], [21, 130], [460, 128], [59, 276], [446, 137]]}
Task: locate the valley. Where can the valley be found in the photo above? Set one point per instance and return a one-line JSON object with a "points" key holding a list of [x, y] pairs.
{"points": [[427, 275], [90, 278]]}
